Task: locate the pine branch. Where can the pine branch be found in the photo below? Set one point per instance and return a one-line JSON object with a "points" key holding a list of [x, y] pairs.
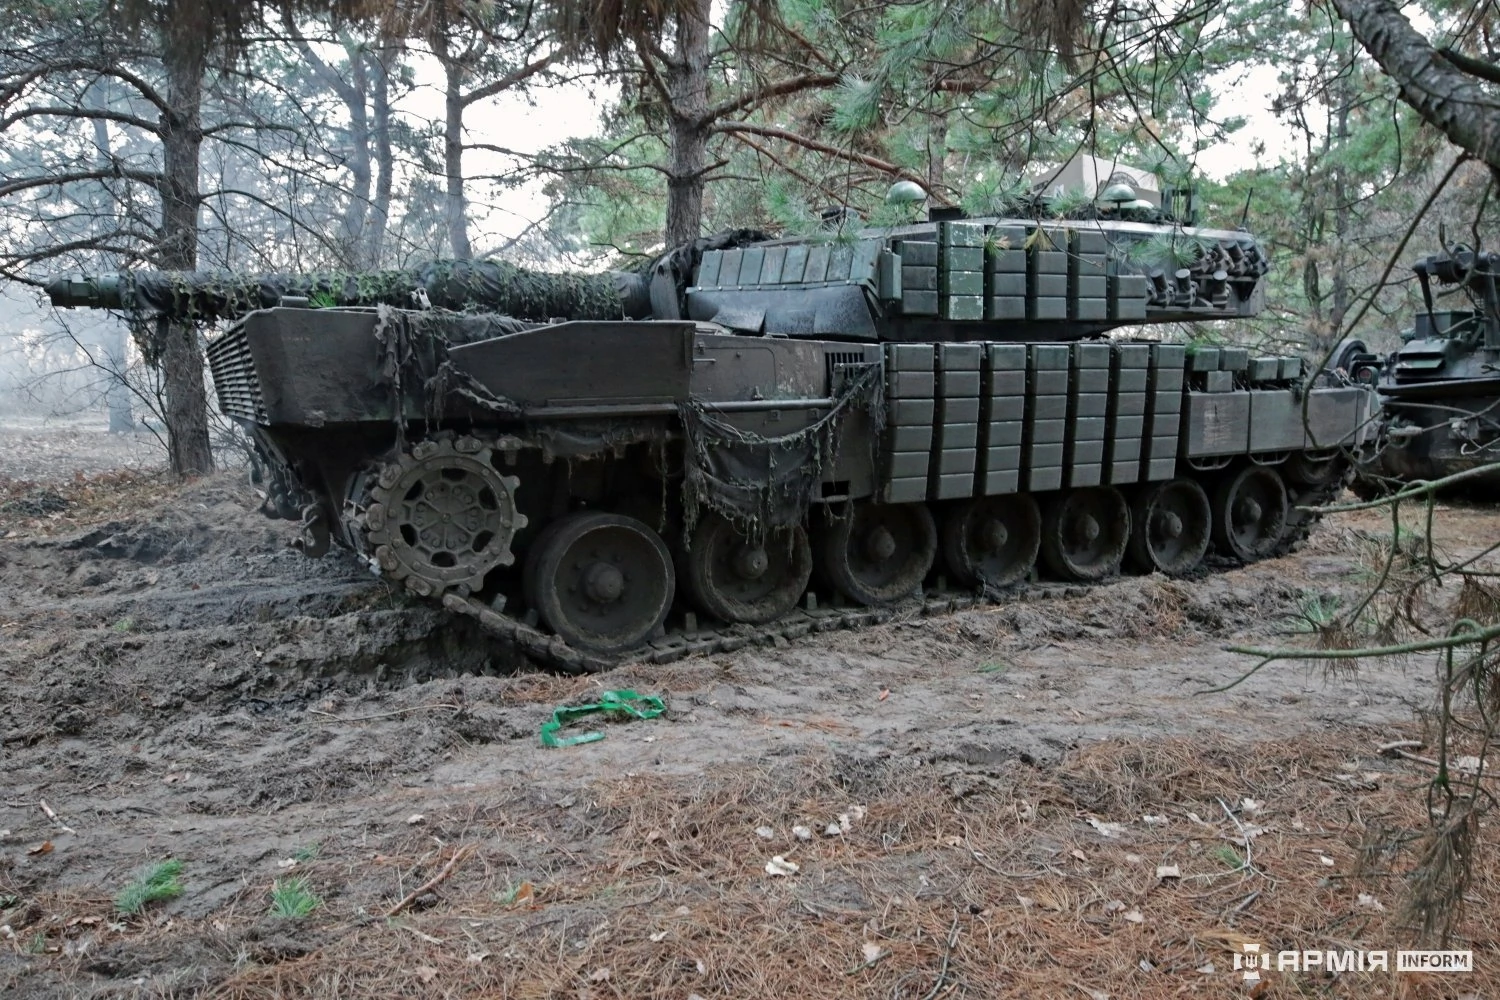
{"points": [[780, 88], [817, 146], [512, 79], [1481, 68], [93, 114], [28, 183]]}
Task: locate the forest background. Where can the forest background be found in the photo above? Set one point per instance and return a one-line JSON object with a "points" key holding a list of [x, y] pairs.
{"points": [[352, 135]]}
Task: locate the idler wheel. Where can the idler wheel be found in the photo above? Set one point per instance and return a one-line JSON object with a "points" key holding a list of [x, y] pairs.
{"points": [[603, 582], [1250, 512], [441, 517], [1169, 527], [1085, 533], [738, 579], [992, 541], [878, 553]]}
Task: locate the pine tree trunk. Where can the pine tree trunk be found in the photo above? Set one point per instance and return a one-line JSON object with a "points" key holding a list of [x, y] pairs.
{"points": [[1341, 210], [113, 346], [1443, 95], [453, 160], [180, 354], [687, 83], [385, 161], [357, 211], [937, 149], [112, 339]]}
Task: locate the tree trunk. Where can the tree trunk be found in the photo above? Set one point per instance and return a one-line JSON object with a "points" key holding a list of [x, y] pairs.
{"points": [[178, 351], [937, 149], [1341, 210], [1313, 211], [357, 211], [455, 206], [113, 345], [688, 129], [380, 211], [112, 338]]}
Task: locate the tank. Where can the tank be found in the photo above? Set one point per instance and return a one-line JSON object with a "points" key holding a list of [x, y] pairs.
{"points": [[755, 438], [1440, 391]]}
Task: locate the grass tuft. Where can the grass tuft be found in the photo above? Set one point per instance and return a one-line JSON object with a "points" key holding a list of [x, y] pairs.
{"points": [[160, 883], [293, 898]]}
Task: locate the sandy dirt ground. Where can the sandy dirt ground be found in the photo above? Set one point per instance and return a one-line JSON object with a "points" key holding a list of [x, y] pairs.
{"points": [[1037, 799], [63, 447]]}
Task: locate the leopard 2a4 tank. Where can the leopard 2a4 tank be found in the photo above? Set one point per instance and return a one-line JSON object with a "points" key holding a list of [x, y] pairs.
{"points": [[754, 437]]}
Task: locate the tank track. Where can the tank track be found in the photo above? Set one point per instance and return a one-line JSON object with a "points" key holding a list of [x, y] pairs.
{"points": [[678, 643]]}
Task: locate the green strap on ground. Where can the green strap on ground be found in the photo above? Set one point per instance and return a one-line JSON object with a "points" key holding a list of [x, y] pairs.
{"points": [[629, 703]]}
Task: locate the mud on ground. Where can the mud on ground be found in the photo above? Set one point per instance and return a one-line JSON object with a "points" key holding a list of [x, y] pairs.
{"points": [[177, 683]]}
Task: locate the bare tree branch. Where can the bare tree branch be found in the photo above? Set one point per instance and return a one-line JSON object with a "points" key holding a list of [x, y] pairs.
{"points": [[86, 113], [510, 80], [57, 180]]}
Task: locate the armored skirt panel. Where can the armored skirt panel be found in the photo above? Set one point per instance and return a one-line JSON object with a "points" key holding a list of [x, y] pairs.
{"points": [[985, 419]]}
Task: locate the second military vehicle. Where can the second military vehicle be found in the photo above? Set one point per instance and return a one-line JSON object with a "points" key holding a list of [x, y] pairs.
{"points": [[1440, 391]]}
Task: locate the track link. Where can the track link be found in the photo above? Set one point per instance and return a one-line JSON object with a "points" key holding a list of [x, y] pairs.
{"points": [[679, 643]]}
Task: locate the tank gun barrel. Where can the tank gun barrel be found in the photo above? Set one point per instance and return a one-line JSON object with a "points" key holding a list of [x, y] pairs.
{"points": [[78, 291], [490, 285]]}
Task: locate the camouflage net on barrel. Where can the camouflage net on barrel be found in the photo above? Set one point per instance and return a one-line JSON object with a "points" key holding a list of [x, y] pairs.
{"points": [[762, 483], [487, 285]]}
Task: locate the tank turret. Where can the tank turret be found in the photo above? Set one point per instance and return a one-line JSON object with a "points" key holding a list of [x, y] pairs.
{"points": [[976, 279]]}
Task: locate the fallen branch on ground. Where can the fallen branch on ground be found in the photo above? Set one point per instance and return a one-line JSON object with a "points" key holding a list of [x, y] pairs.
{"points": [[435, 881]]}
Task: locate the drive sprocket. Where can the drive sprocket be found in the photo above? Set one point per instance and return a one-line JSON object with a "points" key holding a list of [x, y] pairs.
{"points": [[440, 517]]}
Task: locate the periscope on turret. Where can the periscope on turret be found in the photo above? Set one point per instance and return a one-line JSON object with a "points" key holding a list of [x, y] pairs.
{"points": [[595, 466]]}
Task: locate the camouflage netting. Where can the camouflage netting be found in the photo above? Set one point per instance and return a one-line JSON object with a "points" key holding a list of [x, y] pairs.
{"points": [[414, 360], [458, 285], [763, 483], [526, 294], [482, 285]]}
